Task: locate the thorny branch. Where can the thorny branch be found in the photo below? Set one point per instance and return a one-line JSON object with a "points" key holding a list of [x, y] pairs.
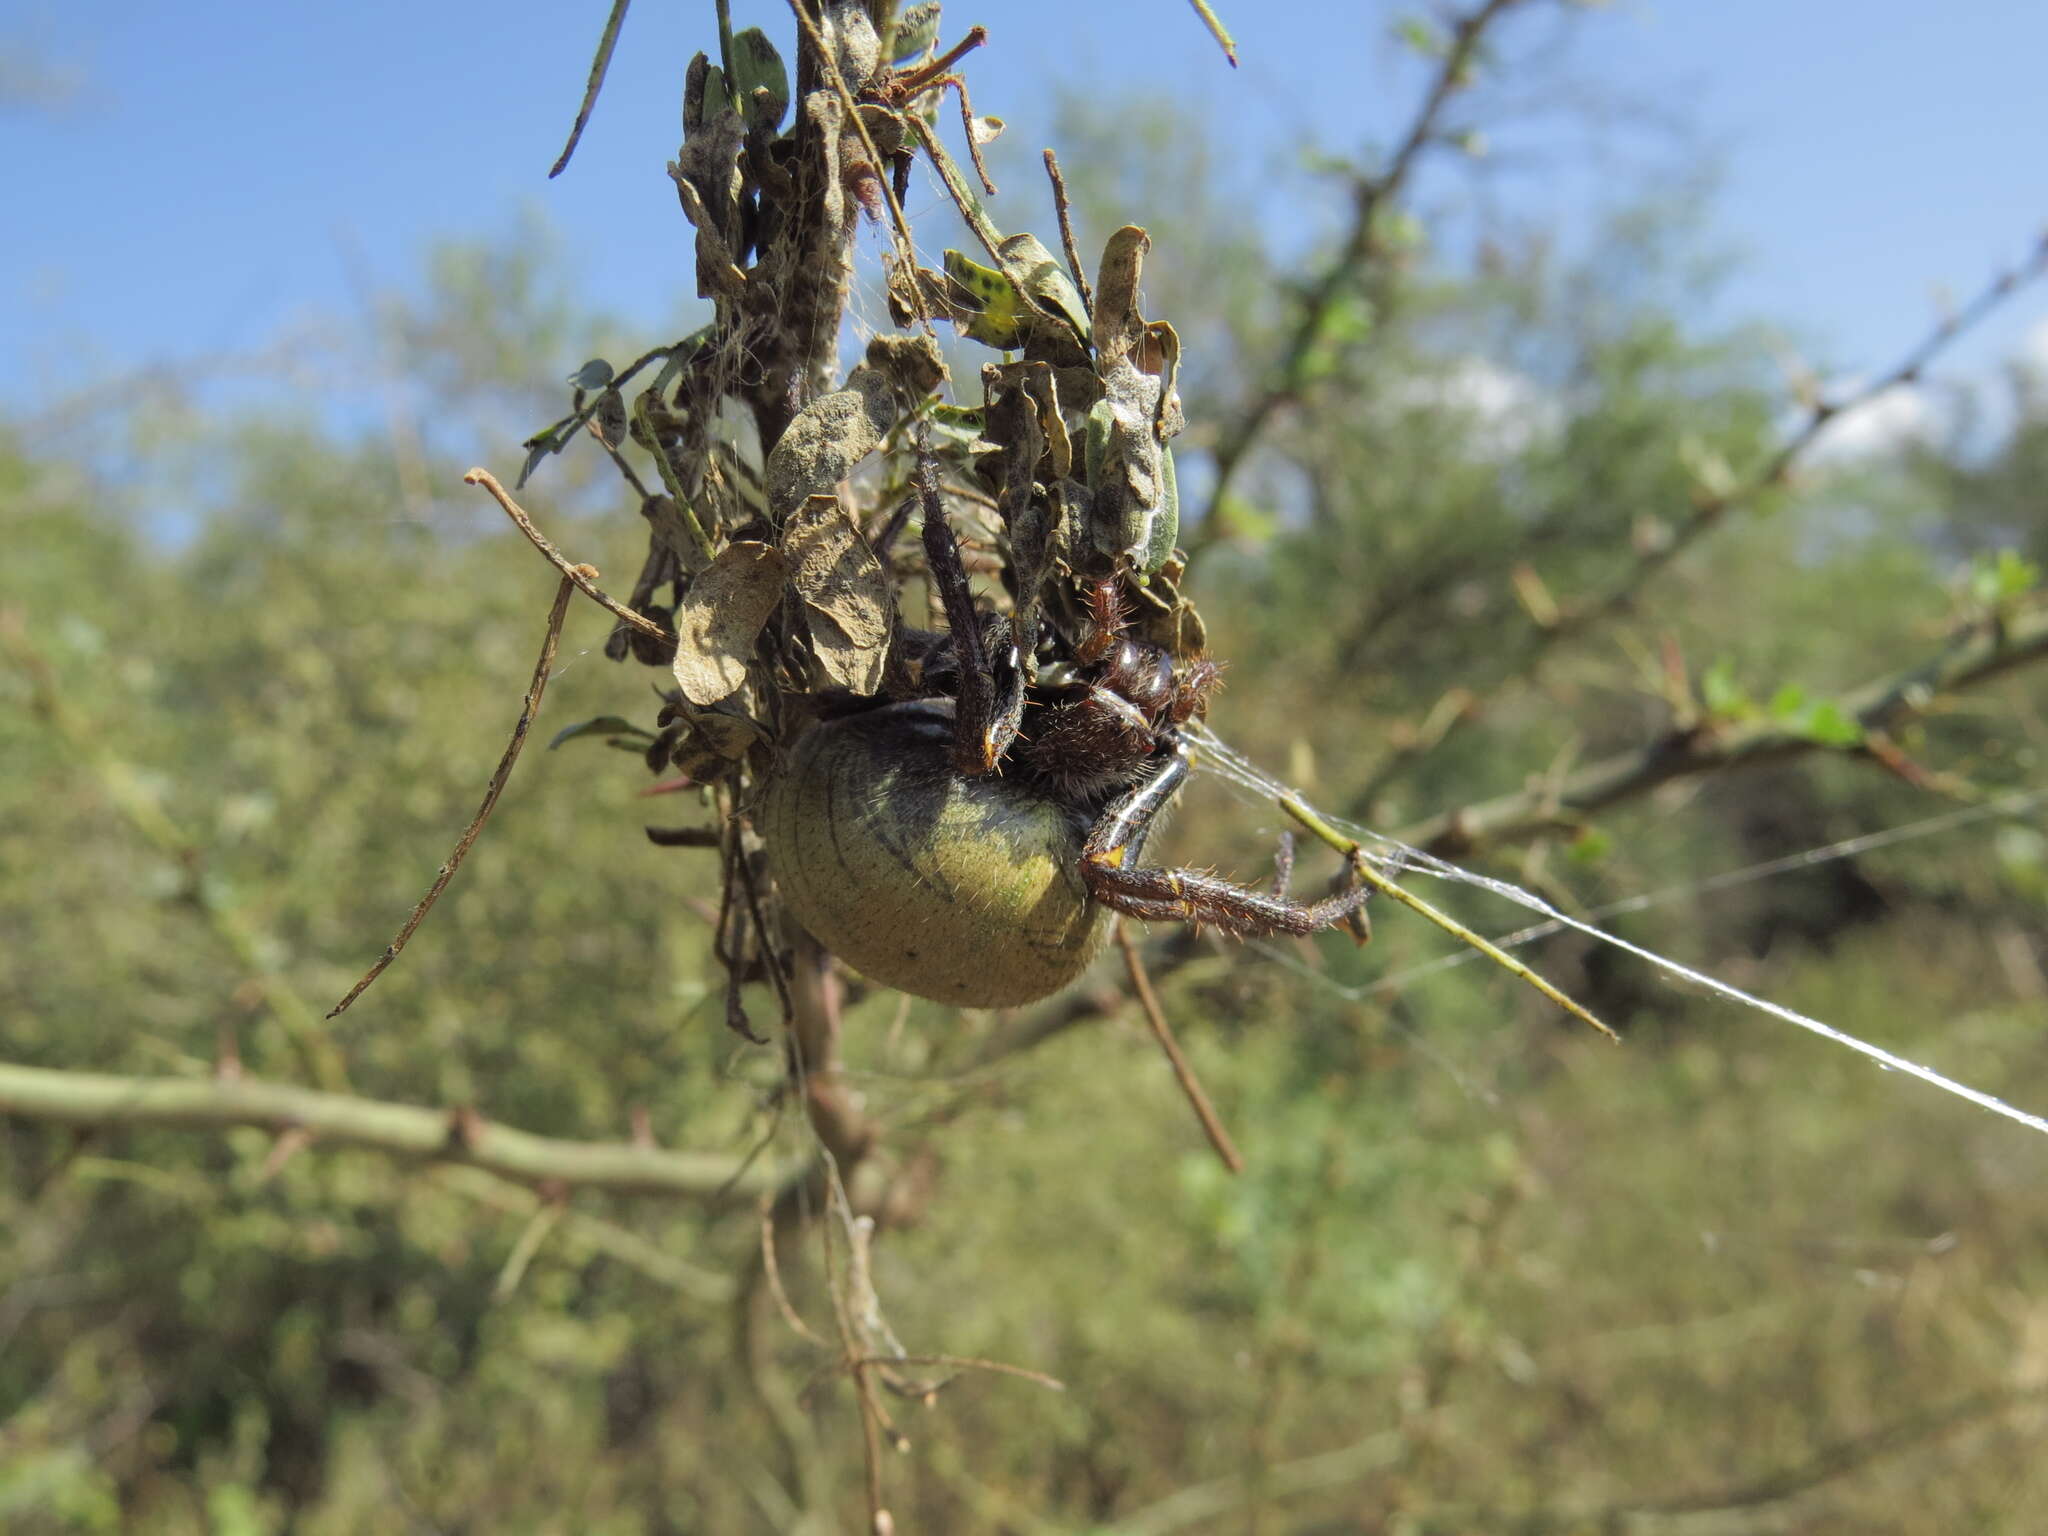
{"points": [[92, 1099], [1554, 622], [1361, 248], [1978, 655], [1712, 507]]}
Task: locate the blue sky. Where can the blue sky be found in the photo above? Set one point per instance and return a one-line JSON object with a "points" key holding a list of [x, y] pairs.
{"points": [[215, 173]]}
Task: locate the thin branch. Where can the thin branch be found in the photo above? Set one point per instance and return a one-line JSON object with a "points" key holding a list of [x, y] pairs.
{"points": [[144, 811], [1711, 509], [531, 1236], [968, 1363], [1979, 654], [710, 1286], [1183, 1073], [1064, 210], [581, 575], [1202, 1502], [1362, 865], [1554, 622], [771, 1270], [1360, 249], [528, 710], [95, 1099]]}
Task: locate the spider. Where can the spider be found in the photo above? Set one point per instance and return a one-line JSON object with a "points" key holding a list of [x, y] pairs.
{"points": [[969, 846]]}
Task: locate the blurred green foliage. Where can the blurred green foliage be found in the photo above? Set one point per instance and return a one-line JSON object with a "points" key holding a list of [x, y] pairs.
{"points": [[1484, 1273]]}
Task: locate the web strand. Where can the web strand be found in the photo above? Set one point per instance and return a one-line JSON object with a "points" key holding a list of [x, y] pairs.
{"points": [[1397, 858]]}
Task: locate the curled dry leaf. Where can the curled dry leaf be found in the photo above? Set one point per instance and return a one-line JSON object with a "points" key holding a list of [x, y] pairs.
{"points": [[721, 617], [844, 590], [611, 418], [726, 732], [1117, 322]]}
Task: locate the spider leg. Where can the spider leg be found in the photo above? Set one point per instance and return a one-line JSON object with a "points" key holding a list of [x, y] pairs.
{"points": [[1114, 878], [990, 703]]}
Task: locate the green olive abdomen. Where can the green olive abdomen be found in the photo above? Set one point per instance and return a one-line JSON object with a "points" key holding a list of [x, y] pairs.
{"points": [[967, 891]]}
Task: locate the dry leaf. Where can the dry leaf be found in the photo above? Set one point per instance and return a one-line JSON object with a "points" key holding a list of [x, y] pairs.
{"points": [[844, 590], [721, 617], [1117, 323], [828, 438]]}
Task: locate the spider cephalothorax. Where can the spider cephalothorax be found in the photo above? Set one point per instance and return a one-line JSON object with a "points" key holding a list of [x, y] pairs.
{"points": [[1103, 717]]}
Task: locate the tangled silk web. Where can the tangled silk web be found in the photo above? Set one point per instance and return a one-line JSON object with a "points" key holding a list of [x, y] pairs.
{"points": [[1395, 858]]}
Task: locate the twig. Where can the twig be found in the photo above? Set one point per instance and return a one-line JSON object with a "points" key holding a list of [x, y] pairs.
{"points": [[1774, 1502], [1201, 1502], [531, 1236], [619, 460], [1063, 209], [771, 1269], [1369, 196], [1711, 509], [1184, 1074], [144, 811], [969, 1363], [581, 575], [872, 1413], [1362, 865], [534, 690], [598, 65], [709, 1286], [1980, 654], [1554, 623], [334, 1119]]}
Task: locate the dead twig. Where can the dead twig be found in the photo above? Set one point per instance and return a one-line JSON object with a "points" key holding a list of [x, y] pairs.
{"points": [[1183, 1073], [541, 669], [583, 576]]}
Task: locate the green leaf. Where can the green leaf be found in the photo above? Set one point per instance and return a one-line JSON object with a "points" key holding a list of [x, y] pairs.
{"points": [[1787, 701], [1590, 847], [1826, 724], [760, 80], [2000, 578], [1413, 32], [1722, 694], [603, 725], [960, 426], [1000, 321], [540, 445]]}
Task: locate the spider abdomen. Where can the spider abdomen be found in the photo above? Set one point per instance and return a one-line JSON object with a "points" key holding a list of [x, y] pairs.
{"points": [[967, 891]]}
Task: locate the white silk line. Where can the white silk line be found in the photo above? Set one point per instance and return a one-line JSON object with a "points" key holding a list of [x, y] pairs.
{"points": [[1241, 771]]}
